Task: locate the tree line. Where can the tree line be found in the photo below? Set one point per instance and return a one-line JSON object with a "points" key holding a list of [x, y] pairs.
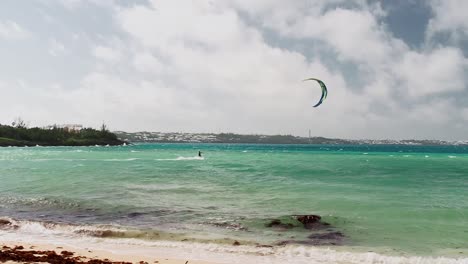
{"points": [[18, 134]]}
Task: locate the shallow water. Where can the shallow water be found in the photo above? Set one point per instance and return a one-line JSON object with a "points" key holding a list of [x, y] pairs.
{"points": [[399, 200]]}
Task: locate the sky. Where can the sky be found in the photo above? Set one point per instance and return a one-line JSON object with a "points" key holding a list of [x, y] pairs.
{"points": [[394, 69]]}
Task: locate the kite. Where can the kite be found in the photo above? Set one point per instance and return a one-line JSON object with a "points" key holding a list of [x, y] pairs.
{"points": [[324, 90]]}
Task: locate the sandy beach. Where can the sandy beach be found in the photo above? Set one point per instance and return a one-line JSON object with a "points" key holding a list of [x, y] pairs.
{"points": [[19, 253]]}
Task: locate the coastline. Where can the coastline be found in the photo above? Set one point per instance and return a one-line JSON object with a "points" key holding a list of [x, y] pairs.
{"points": [[105, 251], [12, 143], [85, 254]]}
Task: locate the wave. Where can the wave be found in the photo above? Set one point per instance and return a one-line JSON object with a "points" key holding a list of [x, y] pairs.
{"points": [[47, 227], [36, 201], [183, 158], [41, 160], [129, 159], [111, 237]]}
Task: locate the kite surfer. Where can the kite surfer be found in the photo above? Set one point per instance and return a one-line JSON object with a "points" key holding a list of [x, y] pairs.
{"points": [[199, 153]]}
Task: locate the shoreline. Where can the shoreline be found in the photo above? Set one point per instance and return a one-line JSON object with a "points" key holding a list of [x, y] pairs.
{"points": [[42, 144], [21, 252], [106, 251]]}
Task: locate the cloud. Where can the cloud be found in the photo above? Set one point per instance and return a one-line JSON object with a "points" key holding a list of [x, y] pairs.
{"points": [[449, 16], [203, 67], [440, 71], [107, 53], [10, 30], [73, 4], [234, 74], [56, 48], [237, 66], [146, 62]]}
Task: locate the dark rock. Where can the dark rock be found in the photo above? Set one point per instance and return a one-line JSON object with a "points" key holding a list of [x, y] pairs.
{"points": [[135, 214], [264, 246], [236, 243], [308, 219], [273, 222], [286, 242], [276, 223], [4, 222], [328, 236], [66, 253], [17, 254], [311, 221], [320, 239], [331, 238]]}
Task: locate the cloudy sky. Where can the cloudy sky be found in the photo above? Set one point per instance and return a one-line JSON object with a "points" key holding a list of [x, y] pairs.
{"points": [[394, 69]]}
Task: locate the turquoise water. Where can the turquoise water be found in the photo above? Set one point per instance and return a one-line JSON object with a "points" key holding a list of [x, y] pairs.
{"points": [[400, 199]]}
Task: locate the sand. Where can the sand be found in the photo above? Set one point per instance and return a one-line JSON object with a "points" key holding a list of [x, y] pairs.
{"points": [[96, 254]]}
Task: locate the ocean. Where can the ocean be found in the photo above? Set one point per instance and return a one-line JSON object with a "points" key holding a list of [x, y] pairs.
{"points": [[397, 202]]}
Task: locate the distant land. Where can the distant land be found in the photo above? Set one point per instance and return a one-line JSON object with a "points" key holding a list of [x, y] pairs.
{"points": [[162, 137], [19, 135]]}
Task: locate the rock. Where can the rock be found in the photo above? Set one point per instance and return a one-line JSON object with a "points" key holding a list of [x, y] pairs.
{"points": [[276, 223], [331, 238], [311, 221], [236, 243], [4, 222], [328, 236], [263, 246], [273, 222], [307, 219], [66, 253], [318, 239], [286, 242]]}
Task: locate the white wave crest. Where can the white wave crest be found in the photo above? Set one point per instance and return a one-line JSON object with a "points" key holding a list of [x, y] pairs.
{"points": [[129, 159], [183, 158]]}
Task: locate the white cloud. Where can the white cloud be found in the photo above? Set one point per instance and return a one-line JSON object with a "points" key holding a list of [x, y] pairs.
{"points": [[145, 62], [464, 114], [210, 66], [107, 53], [10, 30], [450, 16], [439, 71], [205, 69], [73, 4], [56, 48], [234, 73]]}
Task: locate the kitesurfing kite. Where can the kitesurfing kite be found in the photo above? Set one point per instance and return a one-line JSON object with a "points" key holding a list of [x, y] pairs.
{"points": [[324, 90]]}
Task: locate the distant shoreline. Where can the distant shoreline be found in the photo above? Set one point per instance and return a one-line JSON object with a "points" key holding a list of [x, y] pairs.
{"points": [[17, 143], [230, 138], [21, 136]]}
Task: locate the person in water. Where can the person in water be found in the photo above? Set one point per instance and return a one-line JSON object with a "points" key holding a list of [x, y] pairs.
{"points": [[199, 153]]}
